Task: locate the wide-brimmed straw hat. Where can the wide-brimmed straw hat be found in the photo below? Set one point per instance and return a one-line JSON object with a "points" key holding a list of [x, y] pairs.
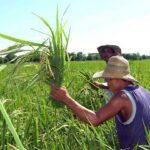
{"points": [[117, 68], [113, 47]]}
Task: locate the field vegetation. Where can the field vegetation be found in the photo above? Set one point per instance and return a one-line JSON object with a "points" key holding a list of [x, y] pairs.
{"points": [[39, 123], [42, 125]]}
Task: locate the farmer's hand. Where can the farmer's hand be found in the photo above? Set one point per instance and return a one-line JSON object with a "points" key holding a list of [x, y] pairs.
{"points": [[59, 93]]}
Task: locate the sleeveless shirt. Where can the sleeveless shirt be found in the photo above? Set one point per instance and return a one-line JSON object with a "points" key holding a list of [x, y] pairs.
{"points": [[133, 133]]}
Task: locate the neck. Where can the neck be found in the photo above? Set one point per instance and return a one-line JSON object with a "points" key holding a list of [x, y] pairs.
{"points": [[121, 86]]}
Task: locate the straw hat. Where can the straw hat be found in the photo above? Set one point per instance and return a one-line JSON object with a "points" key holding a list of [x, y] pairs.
{"points": [[113, 47], [118, 68]]}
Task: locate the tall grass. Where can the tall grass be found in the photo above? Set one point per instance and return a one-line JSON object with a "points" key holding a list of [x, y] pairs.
{"points": [[10, 126], [37, 123], [53, 61], [8, 120]]}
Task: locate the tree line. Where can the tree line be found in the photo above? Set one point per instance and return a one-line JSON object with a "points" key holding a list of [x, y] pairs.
{"points": [[79, 56]]}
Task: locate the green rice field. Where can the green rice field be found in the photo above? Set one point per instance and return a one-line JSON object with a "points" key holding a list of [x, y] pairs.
{"points": [[43, 124]]}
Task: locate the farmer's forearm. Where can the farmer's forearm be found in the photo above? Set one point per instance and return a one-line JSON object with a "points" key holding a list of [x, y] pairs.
{"points": [[83, 113]]}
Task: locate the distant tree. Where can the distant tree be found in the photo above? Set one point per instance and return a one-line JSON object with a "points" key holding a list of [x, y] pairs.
{"points": [[145, 57], [90, 56], [83, 57], [93, 56], [132, 56], [72, 56], [80, 56], [97, 57]]}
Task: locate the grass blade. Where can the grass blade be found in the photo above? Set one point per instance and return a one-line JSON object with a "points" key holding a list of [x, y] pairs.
{"points": [[10, 126], [19, 40]]}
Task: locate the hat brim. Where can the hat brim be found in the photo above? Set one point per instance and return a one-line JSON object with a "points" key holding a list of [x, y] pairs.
{"points": [[114, 47], [98, 75], [103, 74]]}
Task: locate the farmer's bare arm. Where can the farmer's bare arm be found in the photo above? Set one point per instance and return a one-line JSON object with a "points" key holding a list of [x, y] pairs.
{"points": [[87, 115]]}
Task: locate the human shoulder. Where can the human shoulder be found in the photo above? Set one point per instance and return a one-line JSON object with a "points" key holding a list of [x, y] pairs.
{"points": [[120, 99]]}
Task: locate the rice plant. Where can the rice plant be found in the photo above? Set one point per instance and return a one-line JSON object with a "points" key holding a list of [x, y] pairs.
{"points": [[52, 52], [10, 126], [8, 120], [41, 127], [53, 64]]}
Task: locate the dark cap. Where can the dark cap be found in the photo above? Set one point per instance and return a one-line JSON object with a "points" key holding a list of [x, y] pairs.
{"points": [[113, 47]]}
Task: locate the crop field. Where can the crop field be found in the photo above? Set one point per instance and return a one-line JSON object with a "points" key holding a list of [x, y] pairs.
{"points": [[43, 124]]}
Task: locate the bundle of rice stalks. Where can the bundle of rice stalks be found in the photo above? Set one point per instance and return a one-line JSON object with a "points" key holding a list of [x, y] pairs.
{"points": [[52, 52], [88, 78]]}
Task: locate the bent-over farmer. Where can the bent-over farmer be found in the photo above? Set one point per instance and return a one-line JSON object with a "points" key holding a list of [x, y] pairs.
{"points": [[130, 104]]}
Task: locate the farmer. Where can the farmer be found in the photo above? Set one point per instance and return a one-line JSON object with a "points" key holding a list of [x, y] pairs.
{"points": [[130, 104], [105, 52]]}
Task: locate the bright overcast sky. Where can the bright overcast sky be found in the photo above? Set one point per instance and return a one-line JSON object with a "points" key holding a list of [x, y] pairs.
{"points": [[93, 23]]}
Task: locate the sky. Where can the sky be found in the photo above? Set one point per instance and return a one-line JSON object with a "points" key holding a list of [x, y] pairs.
{"points": [[125, 23]]}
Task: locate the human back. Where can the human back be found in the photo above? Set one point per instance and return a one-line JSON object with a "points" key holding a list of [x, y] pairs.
{"points": [[132, 132]]}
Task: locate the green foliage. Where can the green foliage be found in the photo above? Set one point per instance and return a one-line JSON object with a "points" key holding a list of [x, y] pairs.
{"points": [[41, 127], [52, 53], [10, 57], [10, 126]]}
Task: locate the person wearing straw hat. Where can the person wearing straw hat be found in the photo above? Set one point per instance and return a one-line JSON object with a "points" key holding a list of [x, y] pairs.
{"points": [[105, 52], [130, 104]]}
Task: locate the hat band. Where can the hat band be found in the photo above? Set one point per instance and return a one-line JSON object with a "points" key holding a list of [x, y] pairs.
{"points": [[114, 75], [117, 70], [117, 66]]}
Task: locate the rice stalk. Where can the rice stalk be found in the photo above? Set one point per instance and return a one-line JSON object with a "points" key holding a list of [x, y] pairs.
{"points": [[88, 78], [12, 49], [10, 126], [52, 52], [25, 42]]}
